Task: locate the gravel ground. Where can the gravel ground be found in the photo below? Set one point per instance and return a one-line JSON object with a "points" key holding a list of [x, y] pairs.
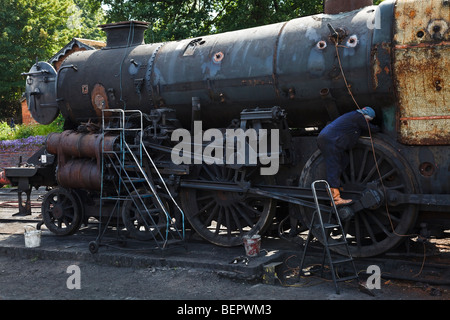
{"points": [[31, 278]]}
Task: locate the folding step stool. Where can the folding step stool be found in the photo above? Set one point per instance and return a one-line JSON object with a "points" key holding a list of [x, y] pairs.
{"points": [[328, 226]]}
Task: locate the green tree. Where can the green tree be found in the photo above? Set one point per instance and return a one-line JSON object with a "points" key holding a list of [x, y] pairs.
{"points": [[169, 20], [36, 28], [239, 14], [175, 19]]}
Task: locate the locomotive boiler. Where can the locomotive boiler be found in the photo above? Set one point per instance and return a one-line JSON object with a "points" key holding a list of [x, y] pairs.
{"points": [[123, 103]]}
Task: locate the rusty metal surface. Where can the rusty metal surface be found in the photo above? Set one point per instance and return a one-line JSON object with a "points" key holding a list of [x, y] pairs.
{"points": [[118, 34], [285, 64], [421, 69], [80, 174], [74, 144], [79, 157], [336, 6]]}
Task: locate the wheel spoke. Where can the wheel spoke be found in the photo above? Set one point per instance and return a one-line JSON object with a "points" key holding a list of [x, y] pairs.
{"points": [[236, 219], [375, 219], [363, 165], [227, 221], [388, 174], [222, 217], [207, 206], [368, 228], [250, 208], [373, 170], [219, 221], [211, 175], [212, 215], [390, 216], [244, 215]]}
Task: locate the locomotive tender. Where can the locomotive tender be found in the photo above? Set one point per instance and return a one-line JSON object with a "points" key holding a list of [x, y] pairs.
{"points": [[124, 101]]}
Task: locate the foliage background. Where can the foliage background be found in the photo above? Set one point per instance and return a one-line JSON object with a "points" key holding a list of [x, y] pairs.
{"points": [[31, 29]]}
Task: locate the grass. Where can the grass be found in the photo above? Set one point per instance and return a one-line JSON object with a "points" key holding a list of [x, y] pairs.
{"points": [[22, 131]]}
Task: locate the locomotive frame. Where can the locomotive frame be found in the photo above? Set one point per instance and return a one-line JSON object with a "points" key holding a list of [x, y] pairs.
{"points": [[252, 79]]}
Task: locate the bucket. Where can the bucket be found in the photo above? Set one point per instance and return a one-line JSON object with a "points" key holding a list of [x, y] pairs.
{"points": [[252, 245], [32, 238]]}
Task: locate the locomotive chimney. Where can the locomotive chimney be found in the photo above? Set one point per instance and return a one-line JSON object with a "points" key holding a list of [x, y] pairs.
{"points": [[337, 6], [124, 33]]}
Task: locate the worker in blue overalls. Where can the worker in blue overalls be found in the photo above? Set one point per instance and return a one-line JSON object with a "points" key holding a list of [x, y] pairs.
{"points": [[339, 136]]}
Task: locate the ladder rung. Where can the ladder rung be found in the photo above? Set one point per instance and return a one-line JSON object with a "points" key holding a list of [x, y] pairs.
{"points": [[147, 195], [159, 226], [124, 166], [347, 278], [121, 129], [342, 260], [133, 180], [113, 198], [326, 225], [335, 244]]}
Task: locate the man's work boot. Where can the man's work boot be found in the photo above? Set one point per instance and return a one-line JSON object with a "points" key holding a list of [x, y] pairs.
{"points": [[338, 201]]}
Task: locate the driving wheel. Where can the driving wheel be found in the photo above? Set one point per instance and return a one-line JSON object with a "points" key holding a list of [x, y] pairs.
{"points": [[376, 230], [61, 211], [143, 217], [224, 217]]}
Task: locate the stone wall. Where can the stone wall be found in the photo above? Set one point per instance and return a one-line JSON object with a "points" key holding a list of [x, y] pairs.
{"points": [[12, 158]]}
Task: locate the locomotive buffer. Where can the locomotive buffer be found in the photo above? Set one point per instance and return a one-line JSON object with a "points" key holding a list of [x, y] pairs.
{"points": [[323, 232]]}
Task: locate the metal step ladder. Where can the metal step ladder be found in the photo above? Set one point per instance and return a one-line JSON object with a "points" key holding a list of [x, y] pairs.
{"points": [[137, 184], [326, 228]]}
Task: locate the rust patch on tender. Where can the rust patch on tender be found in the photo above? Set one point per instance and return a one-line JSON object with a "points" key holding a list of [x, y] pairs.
{"points": [[376, 71], [99, 99], [381, 63], [421, 60], [425, 118], [423, 45]]}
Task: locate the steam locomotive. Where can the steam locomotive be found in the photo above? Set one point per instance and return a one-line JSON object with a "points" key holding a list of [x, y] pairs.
{"points": [[127, 105]]}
